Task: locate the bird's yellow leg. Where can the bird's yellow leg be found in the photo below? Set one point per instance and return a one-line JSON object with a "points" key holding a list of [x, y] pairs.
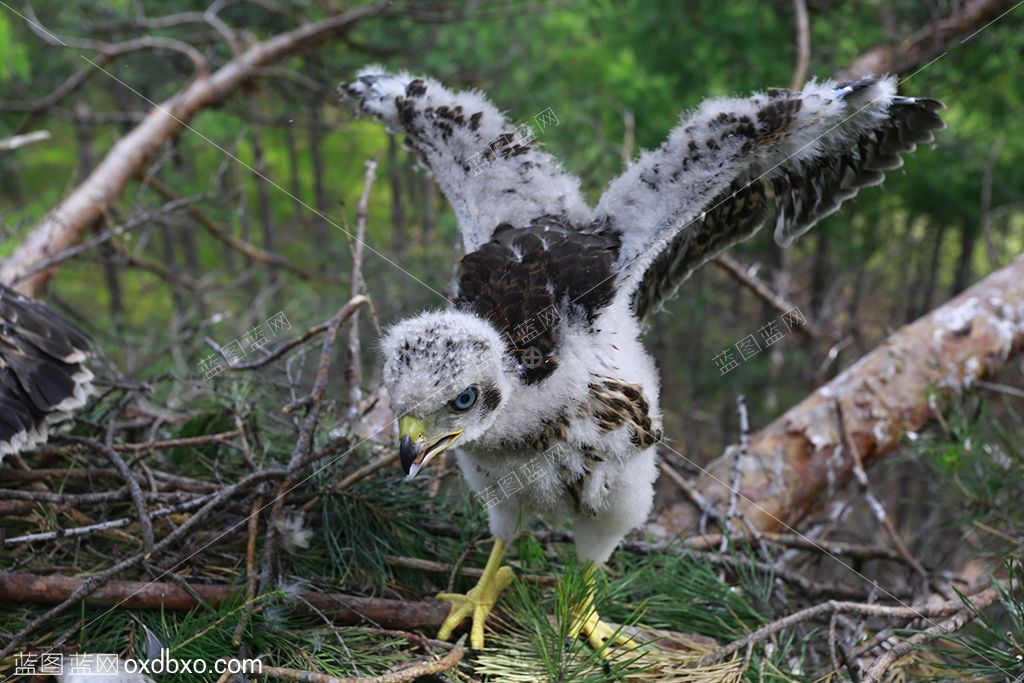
{"points": [[479, 600], [588, 622]]}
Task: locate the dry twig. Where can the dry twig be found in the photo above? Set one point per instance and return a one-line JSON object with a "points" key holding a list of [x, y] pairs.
{"points": [[953, 624], [869, 494], [734, 478], [354, 372], [301, 451], [738, 272], [107, 525], [250, 571], [410, 673], [18, 141], [924, 611], [803, 45], [97, 580]]}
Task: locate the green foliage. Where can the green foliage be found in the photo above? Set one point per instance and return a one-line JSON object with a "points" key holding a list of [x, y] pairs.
{"points": [[684, 593], [533, 643], [361, 526], [982, 453], [14, 59]]}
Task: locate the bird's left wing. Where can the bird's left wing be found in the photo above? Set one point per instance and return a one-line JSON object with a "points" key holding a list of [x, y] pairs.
{"points": [[727, 167], [491, 170]]}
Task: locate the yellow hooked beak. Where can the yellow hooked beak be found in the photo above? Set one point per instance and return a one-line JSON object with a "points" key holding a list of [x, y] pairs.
{"points": [[414, 451]]}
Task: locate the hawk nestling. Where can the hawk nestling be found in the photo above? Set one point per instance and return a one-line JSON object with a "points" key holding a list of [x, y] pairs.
{"points": [[541, 350]]}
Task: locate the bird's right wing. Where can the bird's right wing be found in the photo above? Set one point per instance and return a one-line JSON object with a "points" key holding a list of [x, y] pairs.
{"points": [[727, 167], [42, 375], [492, 171]]}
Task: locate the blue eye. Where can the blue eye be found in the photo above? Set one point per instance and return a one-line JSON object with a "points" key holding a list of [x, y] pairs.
{"points": [[465, 400]]}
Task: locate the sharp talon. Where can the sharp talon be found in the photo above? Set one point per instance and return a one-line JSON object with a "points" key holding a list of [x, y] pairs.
{"points": [[607, 668], [568, 644], [602, 637], [476, 603]]}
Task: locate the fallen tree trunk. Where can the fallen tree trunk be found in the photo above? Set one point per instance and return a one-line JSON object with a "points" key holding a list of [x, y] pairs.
{"points": [[342, 609], [64, 226], [931, 41], [889, 392]]}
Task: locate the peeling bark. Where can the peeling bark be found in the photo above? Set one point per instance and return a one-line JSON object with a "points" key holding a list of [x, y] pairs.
{"points": [[883, 396], [64, 226]]}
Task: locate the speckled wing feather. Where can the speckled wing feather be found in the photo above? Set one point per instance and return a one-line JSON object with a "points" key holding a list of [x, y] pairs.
{"points": [[806, 195], [530, 281], [42, 376], [724, 169], [733, 218], [491, 170]]}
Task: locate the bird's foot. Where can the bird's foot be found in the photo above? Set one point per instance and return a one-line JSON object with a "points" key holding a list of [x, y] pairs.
{"points": [[476, 603], [599, 634]]}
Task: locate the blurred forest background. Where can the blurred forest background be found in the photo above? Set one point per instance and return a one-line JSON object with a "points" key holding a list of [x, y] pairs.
{"points": [[249, 212]]}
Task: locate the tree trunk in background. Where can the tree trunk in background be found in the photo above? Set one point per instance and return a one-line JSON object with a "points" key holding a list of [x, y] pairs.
{"points": [[399, 236], [776, 357], [171, 263], [429, 209], [266, 209], [962, 274], [698, 357], [86, 162], [908, 275], [413, 201], [927, 296], [820, 281], [294, 177], [802, 455], [819, 274], [919, 261], [853, 307], [316, 136], [240, 216]]}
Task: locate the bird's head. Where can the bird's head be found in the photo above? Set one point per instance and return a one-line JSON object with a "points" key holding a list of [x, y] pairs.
{"points": [[447, 377]]}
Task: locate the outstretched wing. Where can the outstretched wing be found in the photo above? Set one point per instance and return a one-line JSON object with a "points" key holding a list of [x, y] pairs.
{"points": [[725, 168], [492, 171], [42, 376]]}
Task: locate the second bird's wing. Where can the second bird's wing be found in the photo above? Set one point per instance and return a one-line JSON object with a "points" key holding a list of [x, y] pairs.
{"points": [[42, 371]]}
